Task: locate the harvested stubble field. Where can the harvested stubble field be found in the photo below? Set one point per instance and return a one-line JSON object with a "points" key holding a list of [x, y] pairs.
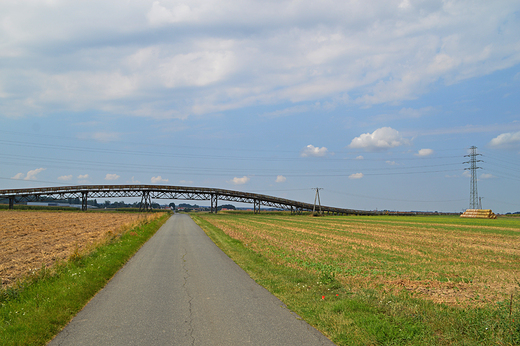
{"points": [[31, 239], [441, 259]]}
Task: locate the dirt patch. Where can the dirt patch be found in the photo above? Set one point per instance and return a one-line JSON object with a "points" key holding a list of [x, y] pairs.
{"points": [[29, 240]]}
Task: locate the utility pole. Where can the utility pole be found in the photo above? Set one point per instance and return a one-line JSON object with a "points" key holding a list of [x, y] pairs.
{"points": [[473, 194], [317, 196]]}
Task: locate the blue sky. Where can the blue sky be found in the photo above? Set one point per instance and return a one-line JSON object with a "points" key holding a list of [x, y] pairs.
{"points": [[375, 102]]}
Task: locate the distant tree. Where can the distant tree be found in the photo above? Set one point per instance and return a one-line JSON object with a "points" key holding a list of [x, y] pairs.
{"points": [[120, 204], [186, 205], [74, 201], [227, 206], [172, 205]]}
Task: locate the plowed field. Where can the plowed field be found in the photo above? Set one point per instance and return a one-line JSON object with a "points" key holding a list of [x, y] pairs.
{"points": [[30, 239]]}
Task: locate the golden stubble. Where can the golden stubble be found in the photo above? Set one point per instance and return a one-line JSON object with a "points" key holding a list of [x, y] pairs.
{"points": [[453, 264], [29, 240]]}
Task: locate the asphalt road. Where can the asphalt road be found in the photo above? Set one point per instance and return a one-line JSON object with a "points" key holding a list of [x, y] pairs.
{"points": [[181, 289]]}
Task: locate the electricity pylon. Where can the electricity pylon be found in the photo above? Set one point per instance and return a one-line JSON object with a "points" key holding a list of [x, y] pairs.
{"points": [[473, 193], [317, 196]]}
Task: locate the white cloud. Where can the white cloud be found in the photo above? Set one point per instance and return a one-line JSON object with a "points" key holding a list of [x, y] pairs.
{"points": [[31, 175], [405, 113], [424, 152], [312, 151], [287, 111], [133, 181], [240, 181], [381, 139], [65, 177], [200, 68], [18, 176], [356, 176], [506, 140], [280, 179], [360, 157], [112, 177], [391, 163], [187, 182], [83, 179], [103, 137], [158, 179], [486, 176], [160, 15]]}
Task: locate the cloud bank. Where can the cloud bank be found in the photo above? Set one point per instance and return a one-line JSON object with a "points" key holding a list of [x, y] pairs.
{"points": [[170, 59]]}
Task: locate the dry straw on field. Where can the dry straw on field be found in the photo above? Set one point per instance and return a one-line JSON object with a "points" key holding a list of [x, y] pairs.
{"points": [[32, 239], [452, 263]]}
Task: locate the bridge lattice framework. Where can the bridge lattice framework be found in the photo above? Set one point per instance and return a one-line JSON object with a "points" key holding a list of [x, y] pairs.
{"points": [[149, 192]]}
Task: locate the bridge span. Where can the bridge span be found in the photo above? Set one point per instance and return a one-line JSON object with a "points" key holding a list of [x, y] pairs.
{"points": [[149, 192]]}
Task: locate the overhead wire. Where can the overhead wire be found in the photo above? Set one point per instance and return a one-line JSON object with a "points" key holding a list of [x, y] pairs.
{"points": [[123, 166], [508, 168], [393, 199]]}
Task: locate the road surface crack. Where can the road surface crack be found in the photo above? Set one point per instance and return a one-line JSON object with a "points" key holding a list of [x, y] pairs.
{"points": [[190, 298]]}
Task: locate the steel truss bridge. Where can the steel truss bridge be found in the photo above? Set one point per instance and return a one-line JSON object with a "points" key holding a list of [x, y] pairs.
{"points": [[149, 192]]}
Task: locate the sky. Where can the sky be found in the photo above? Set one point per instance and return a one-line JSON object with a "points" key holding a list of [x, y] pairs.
{"points": [[376, 102]]}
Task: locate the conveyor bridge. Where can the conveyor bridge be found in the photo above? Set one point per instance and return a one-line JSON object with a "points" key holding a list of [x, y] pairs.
{"points": [[149, 192]]}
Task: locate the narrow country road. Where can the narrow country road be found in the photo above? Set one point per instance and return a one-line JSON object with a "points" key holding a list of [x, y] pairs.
{"points": [[181, 289]]}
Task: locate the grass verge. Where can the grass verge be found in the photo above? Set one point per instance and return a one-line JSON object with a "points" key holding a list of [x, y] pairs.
{"points": [[38, 307], [372, 315]]}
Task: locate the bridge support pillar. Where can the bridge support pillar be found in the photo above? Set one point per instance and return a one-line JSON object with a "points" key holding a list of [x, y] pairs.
{"points": [[146, 201], [256, 206], [84, 199], [214, 203], [11, 202]]}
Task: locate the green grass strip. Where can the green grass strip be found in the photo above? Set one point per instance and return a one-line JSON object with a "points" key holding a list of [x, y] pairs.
{"points": [[40, 307], [367, 316]]}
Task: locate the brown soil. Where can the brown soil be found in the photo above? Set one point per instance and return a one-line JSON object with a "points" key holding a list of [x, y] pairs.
{"points": [[29, 240]]}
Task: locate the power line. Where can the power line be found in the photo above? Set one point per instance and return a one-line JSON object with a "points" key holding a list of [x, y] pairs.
{"points": [[118, 166], [195, 156], [393, 199]]}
